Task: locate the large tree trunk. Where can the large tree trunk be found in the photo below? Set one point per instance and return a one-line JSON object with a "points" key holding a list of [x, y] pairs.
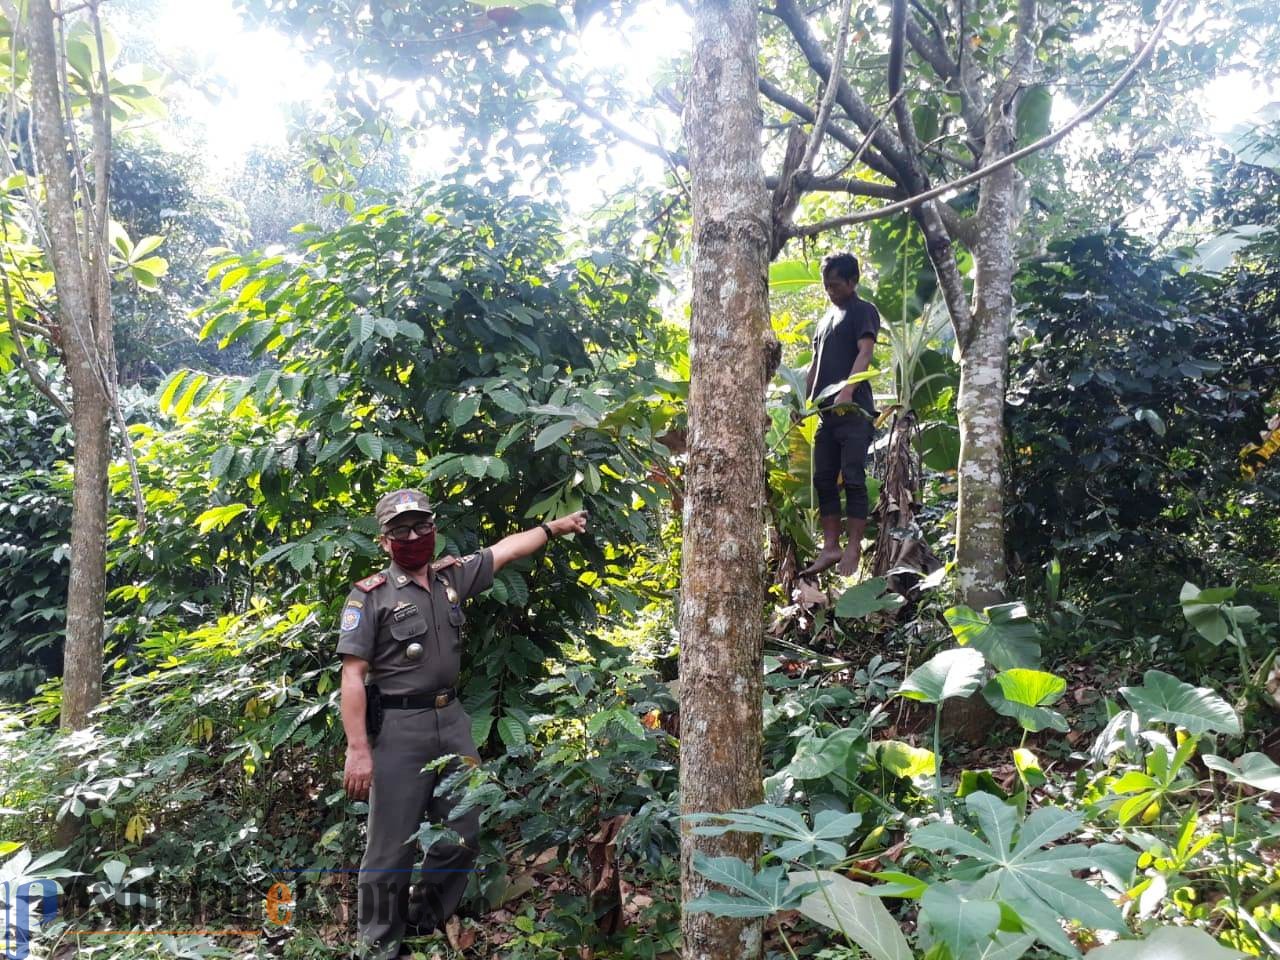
{"points": [[722, 592], [84, 337], [980, 548]]}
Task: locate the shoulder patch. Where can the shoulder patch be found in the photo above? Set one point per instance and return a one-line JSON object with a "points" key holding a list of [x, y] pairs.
{"points": [[350, 619], [369, 584], [444, 563]]}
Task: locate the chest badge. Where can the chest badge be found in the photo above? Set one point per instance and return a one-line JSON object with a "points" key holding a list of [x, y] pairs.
{"points": [[452, 594], [413, 651], [403, 611]]}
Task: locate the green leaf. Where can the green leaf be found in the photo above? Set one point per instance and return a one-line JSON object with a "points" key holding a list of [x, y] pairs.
{"points": [[817, 757], [170, 390], [758, 894], [215, 518], [370, 444], [1167, 943], [465, 410], [786, 275], [1255, 769], [957, 921], [549, 435], [952, 673], [511, 732], [1003, 634], [221, 460], [1166, 699], [865, 599], [845, 905], [508, 401], [799, 842], [1035, 108], [1023, 694], [902, 759]]}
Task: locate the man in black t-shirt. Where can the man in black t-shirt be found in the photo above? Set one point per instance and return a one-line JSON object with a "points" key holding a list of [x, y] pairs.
{"points": [[842, 347]]}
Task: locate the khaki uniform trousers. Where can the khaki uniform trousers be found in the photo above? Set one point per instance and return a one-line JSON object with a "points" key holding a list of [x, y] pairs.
{"points": [[400, 799]]}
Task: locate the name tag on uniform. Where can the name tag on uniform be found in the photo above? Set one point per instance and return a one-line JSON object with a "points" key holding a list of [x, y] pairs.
{"points": [[403, 612]]}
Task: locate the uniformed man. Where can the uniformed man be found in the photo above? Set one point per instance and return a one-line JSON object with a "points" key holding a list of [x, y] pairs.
{"points": [[401, 629]]}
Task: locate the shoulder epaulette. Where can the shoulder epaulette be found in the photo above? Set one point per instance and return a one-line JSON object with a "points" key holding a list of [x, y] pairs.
{"points": [[369, 584], [444, 563]]}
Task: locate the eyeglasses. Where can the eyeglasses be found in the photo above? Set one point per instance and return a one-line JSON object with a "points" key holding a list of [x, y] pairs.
{"points": [[421, 528]]}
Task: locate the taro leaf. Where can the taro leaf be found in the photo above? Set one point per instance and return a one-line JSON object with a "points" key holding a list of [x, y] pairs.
{"points": [[1166, 699], [754, 894], [957, 921], [1167, 943], [1024, 696], [1039, 882], [1202, 610], [902, 759], [816, 757], [952, 673], [1254, 769], [1213, 617], [865, 599], [788, 825], [1003, 634], [845, 905]]}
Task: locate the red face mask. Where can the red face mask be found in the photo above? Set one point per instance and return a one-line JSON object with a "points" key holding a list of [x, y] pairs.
{"points": [[414, 554]]}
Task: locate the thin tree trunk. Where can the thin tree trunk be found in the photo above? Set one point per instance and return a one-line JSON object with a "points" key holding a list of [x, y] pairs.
{"points": [[722, 593], [82, 340], [984, 354]]}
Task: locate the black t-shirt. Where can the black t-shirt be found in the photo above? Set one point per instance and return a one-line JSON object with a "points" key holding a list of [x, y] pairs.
{"points": [[835, 347]]}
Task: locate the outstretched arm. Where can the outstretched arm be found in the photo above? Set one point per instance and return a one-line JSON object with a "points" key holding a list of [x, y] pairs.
{"points": [[528, 542]]}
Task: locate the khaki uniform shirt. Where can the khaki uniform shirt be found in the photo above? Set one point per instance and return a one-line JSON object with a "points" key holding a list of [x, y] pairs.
{"points": [[387, 612]]}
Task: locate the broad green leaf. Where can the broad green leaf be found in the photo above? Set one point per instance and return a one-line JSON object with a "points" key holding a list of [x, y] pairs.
{"points": [[786, 275], [1166, 699], [1028, 766], [1035, 106], [370, 444], [1255, 769], [508, 401], [550, 434], [215, 518], [952, 673], [511, 732], [957, 921], [865, 599], [851, 907], [817, 757], [465, 410], [902, 759], [753, 894], [1023, 694], [1167, 943], [1003, 634], [799, 841]]}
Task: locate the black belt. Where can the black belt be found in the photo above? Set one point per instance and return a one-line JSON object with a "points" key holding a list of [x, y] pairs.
{"points": [[419, 701]]}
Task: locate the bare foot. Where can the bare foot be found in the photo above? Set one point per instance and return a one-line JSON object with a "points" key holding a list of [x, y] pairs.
{"points": [[850, 560], [826, 559]]}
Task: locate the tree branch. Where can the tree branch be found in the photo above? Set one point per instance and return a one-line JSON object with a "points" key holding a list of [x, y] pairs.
{"points": [[24, 359], [828, 95], [858, 188], [657, 149], [812, 229], [801, 109], [853, 105]]}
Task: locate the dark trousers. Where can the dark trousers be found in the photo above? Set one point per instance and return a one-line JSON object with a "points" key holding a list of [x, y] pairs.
{"points": [[401, 798], [840, 451]]}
